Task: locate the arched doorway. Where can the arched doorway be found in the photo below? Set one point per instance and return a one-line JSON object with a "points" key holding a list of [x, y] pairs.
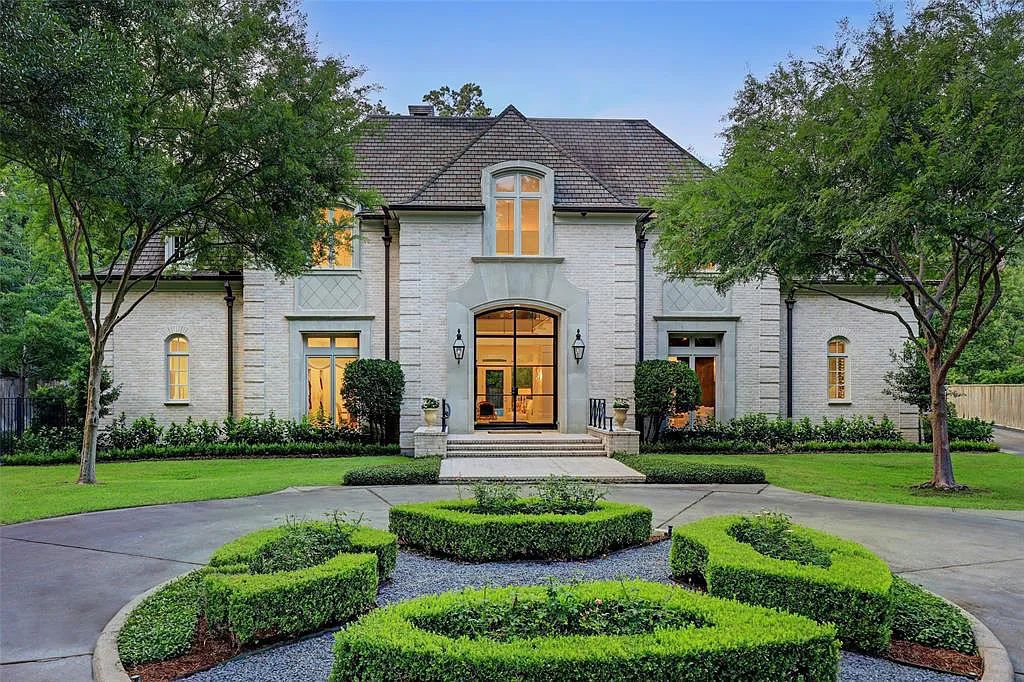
{"points": [[516, 374]]}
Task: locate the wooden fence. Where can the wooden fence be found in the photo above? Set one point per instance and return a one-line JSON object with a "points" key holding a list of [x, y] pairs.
{"points": [[999, 403]]}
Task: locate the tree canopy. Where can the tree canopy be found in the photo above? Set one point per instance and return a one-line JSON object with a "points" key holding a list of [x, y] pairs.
{"points": [[467, 101], [210, 120], [894, 158]]}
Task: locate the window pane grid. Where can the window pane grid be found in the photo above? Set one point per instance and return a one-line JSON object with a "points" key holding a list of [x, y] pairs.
{"points": [[326, 360], [338, 250], [177, 368], [517, 214], [838, 370]]}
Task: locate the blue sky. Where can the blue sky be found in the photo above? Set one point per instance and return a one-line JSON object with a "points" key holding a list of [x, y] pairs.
{"points": [[678, 64]]}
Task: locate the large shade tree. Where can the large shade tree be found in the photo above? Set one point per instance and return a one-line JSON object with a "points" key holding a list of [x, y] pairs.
{"points": [[896, 158], [210, 120]]}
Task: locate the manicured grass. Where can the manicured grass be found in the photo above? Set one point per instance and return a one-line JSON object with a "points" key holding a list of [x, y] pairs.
{"points": [[996, 479], [37, 492]]}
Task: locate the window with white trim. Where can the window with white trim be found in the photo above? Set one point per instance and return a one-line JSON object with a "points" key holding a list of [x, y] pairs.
{"points": [[171, 245], [177, 350], [518, 197], [327, 356], [838, 359], [338, 252]]}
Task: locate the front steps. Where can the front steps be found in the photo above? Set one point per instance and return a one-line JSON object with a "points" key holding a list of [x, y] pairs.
{"points": [[512, 444]]}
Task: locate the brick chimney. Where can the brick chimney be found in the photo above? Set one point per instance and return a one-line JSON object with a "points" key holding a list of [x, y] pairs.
{"points": [[421, 109]]}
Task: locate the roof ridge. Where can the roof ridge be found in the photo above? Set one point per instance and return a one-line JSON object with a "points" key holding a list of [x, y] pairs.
{"points": [[579, 163], [458, 156], [507, 111]]}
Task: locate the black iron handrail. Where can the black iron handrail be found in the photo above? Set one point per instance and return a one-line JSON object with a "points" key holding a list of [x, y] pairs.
{"points": [[599, 418], [446, 412]]}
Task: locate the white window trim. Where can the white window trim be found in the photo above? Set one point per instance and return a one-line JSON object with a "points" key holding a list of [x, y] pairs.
{"points": [[168, 354], [353, 242], [848, 400], [546, 196]]}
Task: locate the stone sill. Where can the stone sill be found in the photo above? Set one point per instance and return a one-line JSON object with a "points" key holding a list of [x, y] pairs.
{"points": [[177, 402], [517, 259]]}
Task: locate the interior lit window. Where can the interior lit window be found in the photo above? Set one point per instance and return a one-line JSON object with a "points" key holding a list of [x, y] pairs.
{"points": [[700, 353], [338, 250], [838, 370], [177, 368], [326, 360], [517, 200]]}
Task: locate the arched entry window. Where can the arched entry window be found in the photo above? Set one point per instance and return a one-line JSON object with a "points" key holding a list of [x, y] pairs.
{"points": [[516, 375]]}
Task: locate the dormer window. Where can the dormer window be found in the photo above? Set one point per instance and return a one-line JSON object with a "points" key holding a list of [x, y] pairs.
{"points": [[171, 245], [517, 199], [518, 221]]}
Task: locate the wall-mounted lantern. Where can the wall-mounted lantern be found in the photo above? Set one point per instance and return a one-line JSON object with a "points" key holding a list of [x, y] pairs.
{"points": [[578, 347], [459, 347]]}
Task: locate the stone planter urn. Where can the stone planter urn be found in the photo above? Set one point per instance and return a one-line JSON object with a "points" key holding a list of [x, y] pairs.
{"points": [[620, 416], [430, 415]]}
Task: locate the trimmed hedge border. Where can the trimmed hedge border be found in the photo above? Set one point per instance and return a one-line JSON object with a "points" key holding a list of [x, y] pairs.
{"points": [[736, 641], [423, 470], [711, 446], [666, 470], [164, 624], [451, 528], [259, 606], [207, 451], [853, 593]]}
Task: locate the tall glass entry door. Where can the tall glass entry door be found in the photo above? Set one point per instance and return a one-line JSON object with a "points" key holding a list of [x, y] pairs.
{"points": [[516, 371]]}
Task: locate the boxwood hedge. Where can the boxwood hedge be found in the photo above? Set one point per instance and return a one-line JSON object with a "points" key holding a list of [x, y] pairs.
{"points": [[453, 528], [164, 624], [669, 469], [297, 578], [852, 592], [629, 630]]}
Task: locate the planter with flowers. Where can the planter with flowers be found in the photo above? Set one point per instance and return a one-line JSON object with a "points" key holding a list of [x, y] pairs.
{"points": [[431, 406], [620, 407]]}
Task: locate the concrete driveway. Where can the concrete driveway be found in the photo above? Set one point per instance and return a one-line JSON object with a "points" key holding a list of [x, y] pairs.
{"points": [[62, 579], [1010, 440]]}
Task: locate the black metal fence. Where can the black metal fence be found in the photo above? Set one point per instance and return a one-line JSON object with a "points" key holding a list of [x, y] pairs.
{"points": [[599, 418], [17, 413], [446, 412]]}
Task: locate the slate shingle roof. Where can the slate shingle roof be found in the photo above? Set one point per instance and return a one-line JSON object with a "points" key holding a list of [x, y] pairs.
{"points": [[435, 161]]}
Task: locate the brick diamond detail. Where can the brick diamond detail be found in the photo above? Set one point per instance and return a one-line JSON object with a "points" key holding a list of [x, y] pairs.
{"points": [[692, 296], [331, 292]]}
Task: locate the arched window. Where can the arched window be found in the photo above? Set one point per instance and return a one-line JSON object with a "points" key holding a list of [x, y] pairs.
{"points": [[838, 370], [517, 200], [177, 368]]}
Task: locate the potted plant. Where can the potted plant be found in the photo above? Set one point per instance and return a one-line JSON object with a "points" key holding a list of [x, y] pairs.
{"points": [[620, 406], [431, 406]]}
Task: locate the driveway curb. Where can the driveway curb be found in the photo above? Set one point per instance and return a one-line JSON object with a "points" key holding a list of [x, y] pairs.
{"points": [[106, 661]]}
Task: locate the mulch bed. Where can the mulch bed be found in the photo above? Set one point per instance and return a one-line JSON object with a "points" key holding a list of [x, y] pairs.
{"points": [[207, 652], [943, 660]]}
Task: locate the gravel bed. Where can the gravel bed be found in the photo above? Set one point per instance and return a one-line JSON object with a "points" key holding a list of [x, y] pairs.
{"points": [[309, 660]]}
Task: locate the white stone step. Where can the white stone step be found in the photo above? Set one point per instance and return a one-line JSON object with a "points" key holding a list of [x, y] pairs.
{"points": [[530, 469], [515, 451], [526, 445]]}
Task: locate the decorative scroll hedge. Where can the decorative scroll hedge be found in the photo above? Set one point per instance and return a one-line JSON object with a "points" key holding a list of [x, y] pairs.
{"points": [[295, 579], [609, 631], [852, 591], [454, 528]]}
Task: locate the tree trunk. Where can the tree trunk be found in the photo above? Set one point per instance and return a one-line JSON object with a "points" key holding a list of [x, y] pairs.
{"points": [[91, 424], [942, 463]]}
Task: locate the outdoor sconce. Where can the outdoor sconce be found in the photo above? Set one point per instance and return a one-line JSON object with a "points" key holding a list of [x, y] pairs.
{"points": [[578, 347], [459, 347]]}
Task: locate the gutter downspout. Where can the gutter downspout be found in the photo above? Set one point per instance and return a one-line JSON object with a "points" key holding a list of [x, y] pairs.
{"points": [[229, 300], [641, 245], [790, 302], [387, 285]]}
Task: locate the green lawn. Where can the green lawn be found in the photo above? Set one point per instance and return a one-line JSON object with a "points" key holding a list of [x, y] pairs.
{"points": [[996, 479], [36, 492]]}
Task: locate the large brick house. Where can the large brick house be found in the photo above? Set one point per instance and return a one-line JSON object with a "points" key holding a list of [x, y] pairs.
{"points": [[516, 236]]}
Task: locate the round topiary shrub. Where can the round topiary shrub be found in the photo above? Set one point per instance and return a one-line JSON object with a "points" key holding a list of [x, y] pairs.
{"points": [[768, 561], [296, 578], [609, 631], [461, 530]]}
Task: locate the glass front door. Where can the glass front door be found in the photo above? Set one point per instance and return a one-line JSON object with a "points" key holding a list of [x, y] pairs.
{"points": [[516, 372]]}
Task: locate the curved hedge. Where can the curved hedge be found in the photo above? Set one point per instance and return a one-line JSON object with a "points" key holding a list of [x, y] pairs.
{"points": [[618, 631], [294, 579], [451, 528], [853, 591]]}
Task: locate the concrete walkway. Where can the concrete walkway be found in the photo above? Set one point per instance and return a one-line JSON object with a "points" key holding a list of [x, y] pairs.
{"points": [[599, 469], [62, 579]]}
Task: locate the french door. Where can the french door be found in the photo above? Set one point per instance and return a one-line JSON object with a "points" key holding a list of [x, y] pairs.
{"points": [[516, 377]]}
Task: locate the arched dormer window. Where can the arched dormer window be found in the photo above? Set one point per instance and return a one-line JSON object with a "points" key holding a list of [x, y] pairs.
{"points": [[838, 359], [518, 219], [177, 368]]}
